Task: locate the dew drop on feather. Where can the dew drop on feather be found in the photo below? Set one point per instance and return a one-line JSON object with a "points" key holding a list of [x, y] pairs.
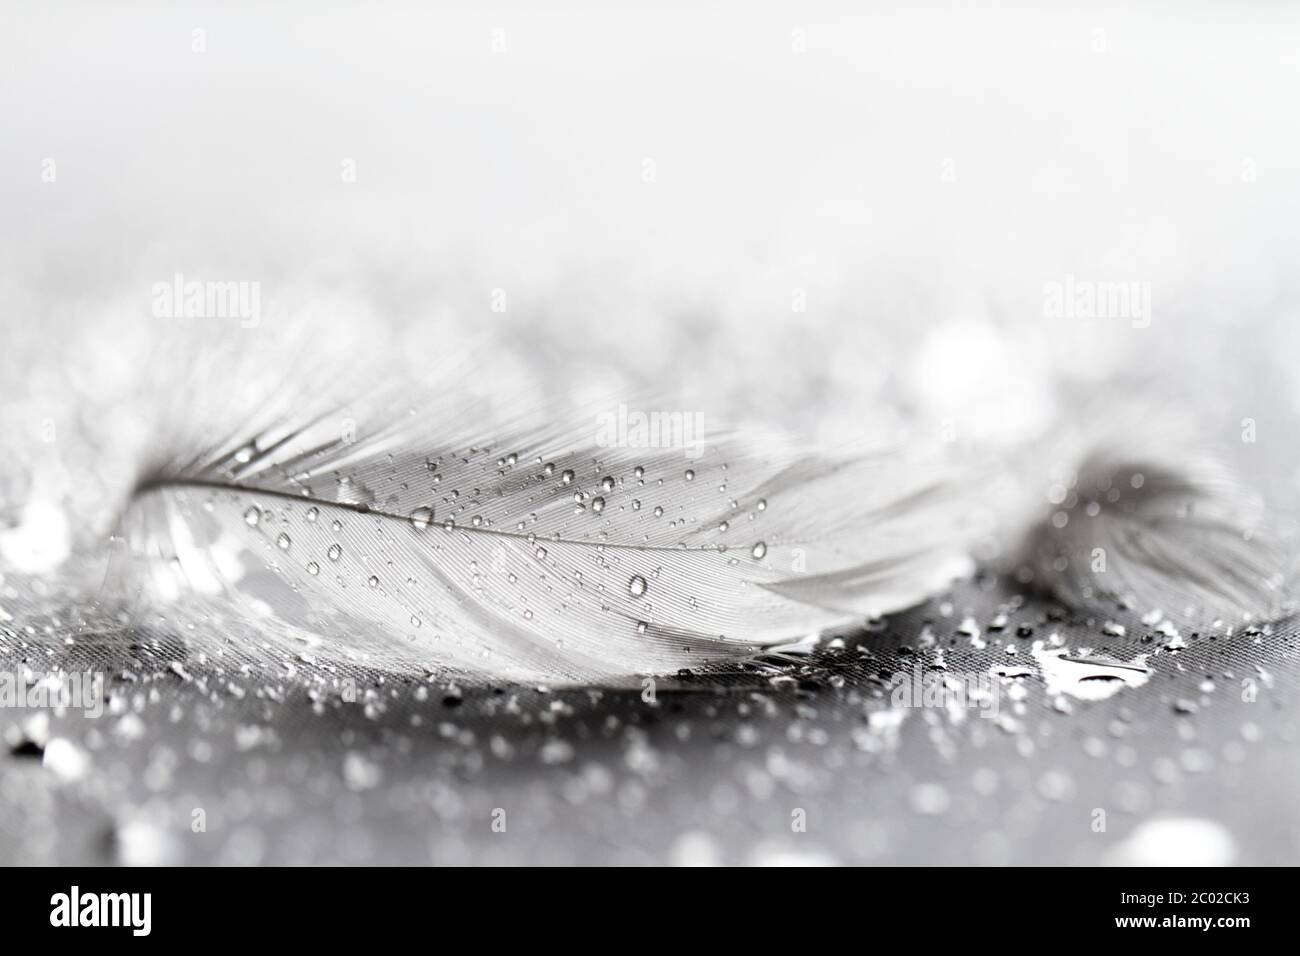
{"points": [[252, 516], [422, 517], [637, 586]]}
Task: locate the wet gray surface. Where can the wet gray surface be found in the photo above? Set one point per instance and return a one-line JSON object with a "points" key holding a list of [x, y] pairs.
{"points": [[199, 762]]}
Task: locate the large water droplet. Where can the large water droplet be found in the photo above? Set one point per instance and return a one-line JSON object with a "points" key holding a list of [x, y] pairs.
{"points": [[566, 476], [690, 474], [373, 581], [422, 517], [607, 483], [759, 551], [252, 516], [637, 586], [335, 552], [283, 541], [598, 504]]}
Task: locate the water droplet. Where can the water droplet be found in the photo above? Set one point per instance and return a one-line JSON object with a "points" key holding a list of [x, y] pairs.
{"points": [[334, 553], [636, 504], [245, 454], [252, 516], [642, 627], [312, 514], [759, 551], [637, 586], [607, 483], [422, 517], [638, 471], [541, 554], [723, 526], [374, 581], [566, 476], [659, 512], [690, 474], [929, 799], [415, 621], [337, 525], [597, 504], [1092, 677], [283, 541], [548, 469], [313, 569], [762, 504]]}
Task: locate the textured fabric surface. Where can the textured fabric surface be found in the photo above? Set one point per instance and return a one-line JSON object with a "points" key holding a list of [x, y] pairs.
{"points": [[719, 768]]}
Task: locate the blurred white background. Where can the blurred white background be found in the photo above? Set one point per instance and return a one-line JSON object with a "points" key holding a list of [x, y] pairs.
{"points": [[657, 191]]}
